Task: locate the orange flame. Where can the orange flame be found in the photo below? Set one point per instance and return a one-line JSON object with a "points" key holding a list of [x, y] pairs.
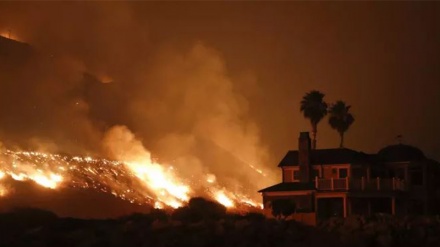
{"points": [[127, 180]]}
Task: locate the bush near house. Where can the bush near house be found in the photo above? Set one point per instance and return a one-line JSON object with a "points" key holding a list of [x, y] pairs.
{"points": [[384, 230], [225, 229]]}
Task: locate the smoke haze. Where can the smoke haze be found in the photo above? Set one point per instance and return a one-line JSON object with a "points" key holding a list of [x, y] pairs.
{"points": [[90, 67], [214, 88]]}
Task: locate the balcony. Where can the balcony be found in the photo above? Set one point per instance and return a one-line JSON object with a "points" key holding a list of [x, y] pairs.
{"points": [[360, 184]]}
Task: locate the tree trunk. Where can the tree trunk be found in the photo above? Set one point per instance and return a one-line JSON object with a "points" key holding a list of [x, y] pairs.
{"points": [[314, 131], [341, 145]]}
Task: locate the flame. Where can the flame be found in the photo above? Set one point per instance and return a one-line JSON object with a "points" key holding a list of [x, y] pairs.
{"points": [[9, 35], [3, 190], [223, 199], [154, 175], [257, 170], [210, 178], [49, 181], [158, 205], [139, 180]]}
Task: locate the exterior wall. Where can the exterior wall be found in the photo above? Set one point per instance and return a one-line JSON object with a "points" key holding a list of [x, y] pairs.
{"points": [[288, 173], [305, 218], [329, 172], [304, 200], [424, 198], [359, 171], [422, 182], [398, 169]]}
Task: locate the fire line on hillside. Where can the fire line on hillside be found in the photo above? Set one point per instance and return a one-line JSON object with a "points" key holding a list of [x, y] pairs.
{"points": [[145, 182]]}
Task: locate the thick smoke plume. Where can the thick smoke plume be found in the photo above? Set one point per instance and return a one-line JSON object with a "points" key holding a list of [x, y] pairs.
{"points": [[89, 67]]}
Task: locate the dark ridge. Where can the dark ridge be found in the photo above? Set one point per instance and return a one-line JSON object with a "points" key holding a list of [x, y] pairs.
{"points": [[14, 52]]}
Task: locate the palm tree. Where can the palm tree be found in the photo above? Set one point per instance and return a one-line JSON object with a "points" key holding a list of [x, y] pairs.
{"points": [[314, 108], [340, 119]]}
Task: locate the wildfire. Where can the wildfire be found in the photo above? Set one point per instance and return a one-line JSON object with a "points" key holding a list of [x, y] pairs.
{"points": [[139, 180], [223, 199], [170, 192], [9, 34], [210, 178]]}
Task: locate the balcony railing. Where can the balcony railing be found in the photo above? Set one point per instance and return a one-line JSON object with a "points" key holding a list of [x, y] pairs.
{"points": [[360, 184]]}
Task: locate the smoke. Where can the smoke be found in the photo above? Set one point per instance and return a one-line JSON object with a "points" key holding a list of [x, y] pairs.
{"points": [[205, 120], [93, 66], [121, 144]]}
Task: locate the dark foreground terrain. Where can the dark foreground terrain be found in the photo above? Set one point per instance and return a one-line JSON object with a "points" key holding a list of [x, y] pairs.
{"points": [[30, 227], [202, 224]]}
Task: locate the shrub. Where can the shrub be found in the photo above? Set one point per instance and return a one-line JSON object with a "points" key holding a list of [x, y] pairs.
{"points": [[27, 218], [199, 209], [208, 209]]}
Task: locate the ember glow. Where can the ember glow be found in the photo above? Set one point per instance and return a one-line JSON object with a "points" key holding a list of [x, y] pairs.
{"points": [[9, 34], [223, 199], [142, 181]]}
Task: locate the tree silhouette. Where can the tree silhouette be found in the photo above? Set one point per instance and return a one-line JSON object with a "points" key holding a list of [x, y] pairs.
{"points": [[314, 108], [340, 119]]}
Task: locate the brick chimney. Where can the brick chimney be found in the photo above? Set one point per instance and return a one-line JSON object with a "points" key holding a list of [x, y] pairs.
{"points": [[304, 148]]}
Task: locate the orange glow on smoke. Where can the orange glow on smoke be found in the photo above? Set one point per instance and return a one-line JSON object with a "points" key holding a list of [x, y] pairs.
{"points": [[105, 79]]}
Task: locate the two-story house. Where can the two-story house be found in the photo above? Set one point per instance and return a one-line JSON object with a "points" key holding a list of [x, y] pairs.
{"points": [[339, 182]]}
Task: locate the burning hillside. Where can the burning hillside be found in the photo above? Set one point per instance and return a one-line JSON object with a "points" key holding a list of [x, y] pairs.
{"points": [[64, 88], [134, 176]]}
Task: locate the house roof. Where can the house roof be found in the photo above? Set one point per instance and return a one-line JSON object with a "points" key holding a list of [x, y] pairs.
{"points": [[289, 187], [399, 153], [326, 156]]}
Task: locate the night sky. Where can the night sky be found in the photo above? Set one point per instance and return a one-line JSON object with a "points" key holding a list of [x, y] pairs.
{"points": [[232, 74]]}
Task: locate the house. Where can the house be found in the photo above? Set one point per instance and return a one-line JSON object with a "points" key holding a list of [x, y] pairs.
{"points": [[398, 180]]}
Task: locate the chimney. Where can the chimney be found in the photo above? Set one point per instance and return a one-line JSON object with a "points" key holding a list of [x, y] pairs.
{"points": [[304, 148]]}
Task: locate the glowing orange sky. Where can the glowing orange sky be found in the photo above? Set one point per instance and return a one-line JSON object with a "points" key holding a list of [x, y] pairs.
{"points": [[382, 58]]}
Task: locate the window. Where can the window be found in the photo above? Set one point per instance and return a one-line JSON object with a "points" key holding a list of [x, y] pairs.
{"points": [[343, 172], [315, 173], [296, 175]]}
